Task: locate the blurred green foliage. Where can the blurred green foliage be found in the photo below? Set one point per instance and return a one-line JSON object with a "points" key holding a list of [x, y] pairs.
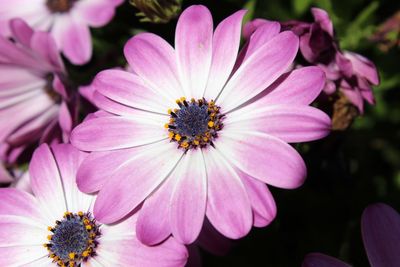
{"points": [[347, 171]]}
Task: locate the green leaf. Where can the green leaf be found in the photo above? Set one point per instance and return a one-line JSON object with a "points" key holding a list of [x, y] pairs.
{"points": [[301, 6], [250, 6]]}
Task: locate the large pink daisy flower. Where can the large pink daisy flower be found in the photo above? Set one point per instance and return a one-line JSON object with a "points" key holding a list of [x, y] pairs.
{"points": [[67, 20], [188, 137], [34, 103], [56, 226]]}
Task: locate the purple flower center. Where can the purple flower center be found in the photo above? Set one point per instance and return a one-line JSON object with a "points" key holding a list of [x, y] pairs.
{"points": [[73, 239], [60, 6], [195, 123]]}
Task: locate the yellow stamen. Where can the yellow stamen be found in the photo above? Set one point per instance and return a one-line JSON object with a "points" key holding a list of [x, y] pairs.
{"points": [[49, 237], [166, 126], [171, 135], [182, 98], [169, 111], [88, 227], [71, 255], [178, 137], [210, 124]]}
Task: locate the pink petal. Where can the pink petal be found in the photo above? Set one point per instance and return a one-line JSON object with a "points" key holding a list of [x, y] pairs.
{"points": [[363, 67], [353, 94], [153, 224], [263, 34], [193, 44], [22, 255], [299, 87], [98, 167], [118, 132], [287, 122], [22, 231], [21, 31], [135, 181], [264, 157], [225, 47], [188, 200], [260, 70], [322, 260], [380, 227], [153, 59], [128, 89], [322, 17], [68, 161], [19, 203], [44, 45], [96, 13], [228, 206], [110, 106], [5, 176], [132, 253], [261, 199], [46, 182], [70, 33]]}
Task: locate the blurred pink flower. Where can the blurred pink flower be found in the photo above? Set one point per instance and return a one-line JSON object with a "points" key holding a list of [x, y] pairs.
{"points": [[207, 155], [33, 99], [56, 226], [67, 20]]}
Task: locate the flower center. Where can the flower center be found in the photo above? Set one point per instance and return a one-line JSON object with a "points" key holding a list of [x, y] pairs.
{"points": [[195, 123], [60, 6], [73, 239]]}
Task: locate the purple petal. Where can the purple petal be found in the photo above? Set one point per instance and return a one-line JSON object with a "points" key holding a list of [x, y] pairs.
{"points": [[228, 206], [264, 157], [322, 17], [322, 260], [193, 44], [226, 43], [188, 200], [363, 67], [44, 44], [135, 181], [380, 227], [259, 71]]}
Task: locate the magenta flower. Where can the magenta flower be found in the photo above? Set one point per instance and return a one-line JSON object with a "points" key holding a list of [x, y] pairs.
{"points": [[67, 20], [347, 72], [33, 99], [188, 137], [56, 226]]}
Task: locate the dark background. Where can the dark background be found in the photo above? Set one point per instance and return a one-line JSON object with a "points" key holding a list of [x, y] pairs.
{"points": [[347, 170]]}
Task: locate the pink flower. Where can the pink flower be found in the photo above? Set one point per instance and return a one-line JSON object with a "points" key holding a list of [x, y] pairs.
{"points": [[67, 20], [208, 154], [33, 99], [57, 225]]}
